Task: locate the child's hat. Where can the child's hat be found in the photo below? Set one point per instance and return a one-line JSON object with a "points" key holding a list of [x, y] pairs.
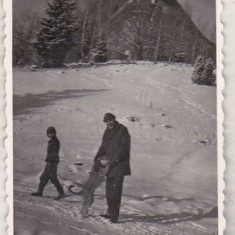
{"points": [[51, 130]]}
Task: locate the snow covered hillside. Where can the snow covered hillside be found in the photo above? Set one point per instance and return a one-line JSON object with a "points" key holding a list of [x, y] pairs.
{"points": [[172, 123]]}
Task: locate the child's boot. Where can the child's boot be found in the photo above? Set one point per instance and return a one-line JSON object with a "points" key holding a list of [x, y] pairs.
{"points": [[60, 191], [61, 195], [37, 194]]}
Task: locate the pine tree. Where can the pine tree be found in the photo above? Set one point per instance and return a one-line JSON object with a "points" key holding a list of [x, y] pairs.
{"points": [[55, 38], [203, 71], [198, 69], [207, 75]]}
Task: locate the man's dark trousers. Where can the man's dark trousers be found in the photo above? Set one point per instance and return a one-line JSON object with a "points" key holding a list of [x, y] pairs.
{"points": [[50, 173], [113, 195]]}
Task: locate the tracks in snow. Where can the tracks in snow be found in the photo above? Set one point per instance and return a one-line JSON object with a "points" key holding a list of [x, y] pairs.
{"points": [[185, 97], [66, 213]]}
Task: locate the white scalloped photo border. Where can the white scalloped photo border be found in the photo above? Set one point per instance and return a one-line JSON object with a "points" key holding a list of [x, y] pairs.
{"points": [[228, 105], [7, 5], [225, 12], [3, 155]]}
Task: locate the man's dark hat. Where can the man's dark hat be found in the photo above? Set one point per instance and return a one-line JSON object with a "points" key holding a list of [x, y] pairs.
{"points": [[109, 117], [51, 130]]}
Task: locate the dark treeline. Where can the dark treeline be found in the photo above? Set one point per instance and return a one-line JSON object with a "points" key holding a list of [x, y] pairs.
{"points": [[111, 29]]}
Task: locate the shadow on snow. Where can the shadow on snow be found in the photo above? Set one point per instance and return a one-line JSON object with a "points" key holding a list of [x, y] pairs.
{"points": [[162, 218], [23, 104], [170, 218]]}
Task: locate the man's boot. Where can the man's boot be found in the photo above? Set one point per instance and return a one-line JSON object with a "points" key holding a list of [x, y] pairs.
{"points": [[106, 216], [114, 220]]}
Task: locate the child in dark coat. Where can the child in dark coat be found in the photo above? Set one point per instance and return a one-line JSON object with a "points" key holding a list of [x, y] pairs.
{"points": [[52, 160]]}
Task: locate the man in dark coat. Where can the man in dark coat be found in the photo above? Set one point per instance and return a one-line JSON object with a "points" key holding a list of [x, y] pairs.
{"points": [[116, 146], [52, 160]]}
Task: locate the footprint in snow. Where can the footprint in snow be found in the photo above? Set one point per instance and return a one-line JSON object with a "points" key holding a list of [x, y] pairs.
{"points": [[78, 164], [167, 126], [133, 119]]}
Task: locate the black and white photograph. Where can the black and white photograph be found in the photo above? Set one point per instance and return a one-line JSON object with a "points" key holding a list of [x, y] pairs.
{"points": [[114, 117]]}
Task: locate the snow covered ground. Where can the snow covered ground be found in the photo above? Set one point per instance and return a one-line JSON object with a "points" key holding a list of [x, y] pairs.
{"points": [[172, 122]]}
